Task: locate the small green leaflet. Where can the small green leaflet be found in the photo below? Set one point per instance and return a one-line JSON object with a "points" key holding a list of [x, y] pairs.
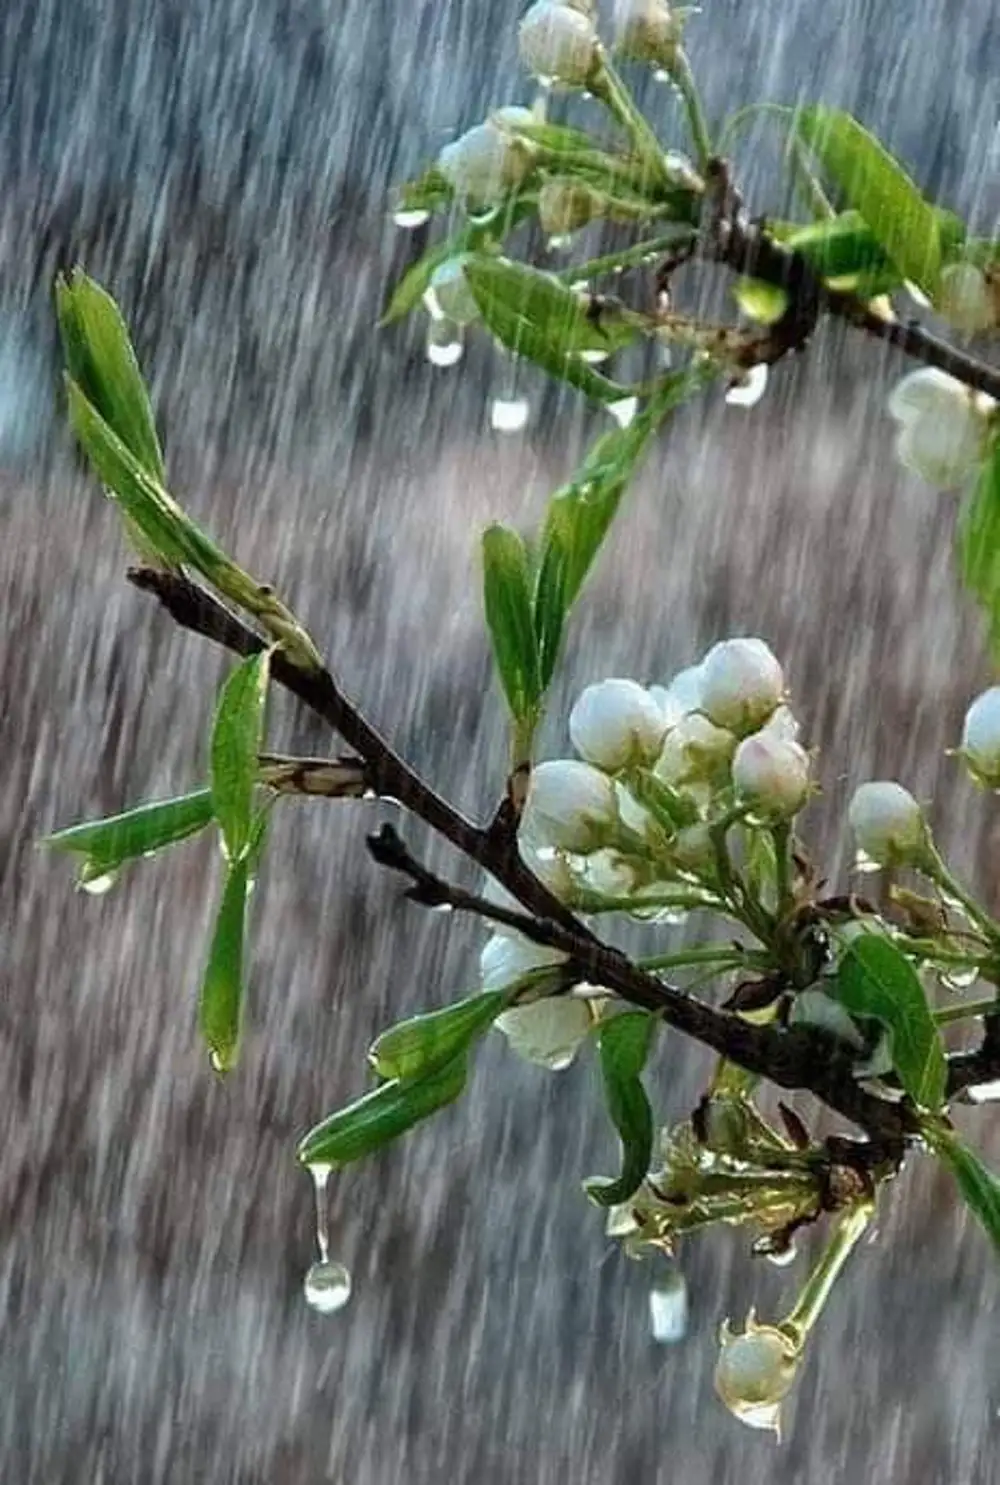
{"points": [[580, 514], [904, 224], [415, 1048], [221, 1003], [237, 732], [625, 1042], [106, 844], [536, 316], [507, 599], [101, 361], [762, 302], [381, 1116], [428, 192], [980, 1188], [978, 542], [875, 979]]}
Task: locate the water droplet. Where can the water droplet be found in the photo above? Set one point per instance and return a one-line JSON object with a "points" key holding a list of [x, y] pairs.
{"points": [[560, 242], [432, 304], [327, 1287], [668, 1308], [545, 83], [443, 907], [97, 886], [624, 410], [782, 1257], [749, 391], [509, 414], [215, 1061], [370, 794], [557, 1061], [321, 1175], [984, 1092], [661, 75], [595, 356], [444, 343], [410, 219], [864, 863]]}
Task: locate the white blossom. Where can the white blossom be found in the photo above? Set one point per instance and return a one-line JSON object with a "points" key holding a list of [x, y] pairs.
{"points": [[888, 823], [742, 684], [695, 751], [508, 956], [965, 300], [771, 774], [483, 164], [981, 738], [942, 427], [570, 806], [549, 1032], [616, 722], [682, 695], [558, 43]]}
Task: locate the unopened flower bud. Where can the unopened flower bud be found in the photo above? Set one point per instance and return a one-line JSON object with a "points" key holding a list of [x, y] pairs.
{"points": [[609, 874], [771, 774], [484, 164], [616, 722], [451, 290], [570, 805], [566, 205], [508, 956], [693, 848], [942, 428], [558, 43], [981, 738], [888, 823], [682, 695], [694, 752], [550, 866], [742, 684], [783, 723], [755, 1372], [549, 1032], [647, 31], [964, 299]]}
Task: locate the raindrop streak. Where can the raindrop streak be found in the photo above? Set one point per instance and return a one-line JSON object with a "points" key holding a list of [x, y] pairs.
{"points": [[595, 356], [509, 414], [411, 219], [668, 1308], [327, 1286], [624, 410]]}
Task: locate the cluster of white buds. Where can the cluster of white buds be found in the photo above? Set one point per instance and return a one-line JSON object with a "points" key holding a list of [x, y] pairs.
{"points": [[943, 427], [558, 42], [488, 161]]}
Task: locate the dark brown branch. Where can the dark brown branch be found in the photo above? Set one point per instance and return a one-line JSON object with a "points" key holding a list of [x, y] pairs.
{"points": [[967, 1069], [798, 1058]]}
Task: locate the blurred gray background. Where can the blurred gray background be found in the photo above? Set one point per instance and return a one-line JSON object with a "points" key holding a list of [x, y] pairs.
{"points": [[224, 168]]}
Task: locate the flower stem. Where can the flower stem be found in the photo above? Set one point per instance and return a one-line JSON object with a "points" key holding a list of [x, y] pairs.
{"points": [[683, 78], [606, 85], [934, 867], [944, 1015], [820, 1282]]}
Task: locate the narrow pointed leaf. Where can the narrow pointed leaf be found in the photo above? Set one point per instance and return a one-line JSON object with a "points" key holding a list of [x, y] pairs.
{"points": [[980, 1188], [906, 226], [221, 1005], [419, 1046], [237, 733], [507, 599], [101, 360], [536, 316], [137, 832], [625, 1042], [875, 979], [381, 1116], [978, 541]]}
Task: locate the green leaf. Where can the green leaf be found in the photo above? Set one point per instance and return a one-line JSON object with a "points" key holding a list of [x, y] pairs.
{"points": [[381, 1116], [420, 1046], [411, 288], [536, 316], [625, 1042], [137, 832], [580, 514], [507, 599], [979, 1186], [903, 222], [220, 1008], [875, 979], [978, 542], [237, 732], [101, 360], [428, 192]]}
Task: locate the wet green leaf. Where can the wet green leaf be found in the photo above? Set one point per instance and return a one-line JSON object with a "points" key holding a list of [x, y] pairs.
{"points": [[980, 1188], [978, 542], [381, 1116], [625, 1042], [536, 316], [875, 979], [905, 225], [429, 192], [507, 598], [237, 733], [477, 235], [137, 832], [580, 514], [220, 1007], [419, 1046], [101, 361]]}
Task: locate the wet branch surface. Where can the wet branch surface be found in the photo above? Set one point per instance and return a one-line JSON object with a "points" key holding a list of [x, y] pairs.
{"points": [[800, 1057]]}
